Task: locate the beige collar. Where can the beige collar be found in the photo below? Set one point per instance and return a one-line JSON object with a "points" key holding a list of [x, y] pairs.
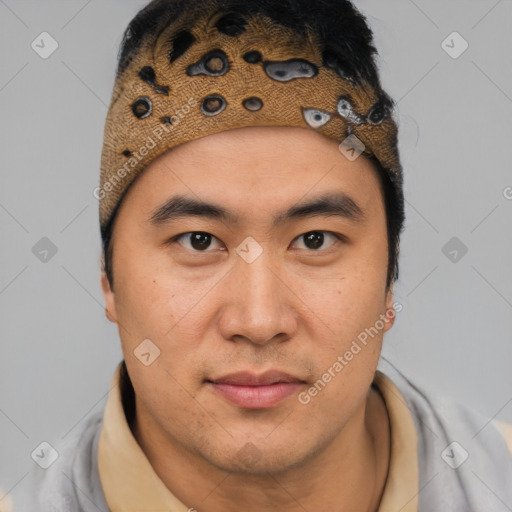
{"points": [[129, 482]]}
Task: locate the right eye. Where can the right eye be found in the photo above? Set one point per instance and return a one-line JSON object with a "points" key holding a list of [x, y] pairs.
{"points": [[197, 241]]}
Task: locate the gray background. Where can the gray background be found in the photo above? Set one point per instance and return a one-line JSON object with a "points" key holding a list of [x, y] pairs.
{"points": [[453, 335]]}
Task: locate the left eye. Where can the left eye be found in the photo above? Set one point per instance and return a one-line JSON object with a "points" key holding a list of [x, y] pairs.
{"points": [[315, 239]]}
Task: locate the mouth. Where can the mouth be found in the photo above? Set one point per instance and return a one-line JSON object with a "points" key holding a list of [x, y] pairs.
{"points": [[251, 391]]}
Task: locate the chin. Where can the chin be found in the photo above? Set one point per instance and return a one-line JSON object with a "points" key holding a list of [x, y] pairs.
{"points": [[261, 457]]}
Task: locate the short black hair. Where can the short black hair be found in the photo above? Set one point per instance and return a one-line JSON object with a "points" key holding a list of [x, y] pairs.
{"points": [[347, 49], [346, 38]]}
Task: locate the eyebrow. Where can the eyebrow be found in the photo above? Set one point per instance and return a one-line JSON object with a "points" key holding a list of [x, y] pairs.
{"points": [[331, 204]]}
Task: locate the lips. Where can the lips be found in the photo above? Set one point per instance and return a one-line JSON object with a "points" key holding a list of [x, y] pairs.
{"points": [[251, 391], [251, 379]]}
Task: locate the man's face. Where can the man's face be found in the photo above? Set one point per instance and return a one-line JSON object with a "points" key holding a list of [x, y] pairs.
{"points": [[254, 292]]}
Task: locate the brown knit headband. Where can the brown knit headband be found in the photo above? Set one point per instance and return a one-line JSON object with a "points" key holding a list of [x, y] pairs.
{"points": [[211, 71]]}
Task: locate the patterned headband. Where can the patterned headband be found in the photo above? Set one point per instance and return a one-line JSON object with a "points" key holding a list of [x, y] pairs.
{"points": [[210, 71]]}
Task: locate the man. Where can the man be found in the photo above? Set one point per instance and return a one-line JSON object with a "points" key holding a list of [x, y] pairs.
{"points": [[250, 207]]}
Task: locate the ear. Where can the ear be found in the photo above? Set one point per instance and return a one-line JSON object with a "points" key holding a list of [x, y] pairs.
{"points": [[110, 298], [390, 313]]}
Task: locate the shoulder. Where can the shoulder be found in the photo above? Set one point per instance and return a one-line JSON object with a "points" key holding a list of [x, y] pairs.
{"points": [[441, 418], [74, 467], [462, 454]]}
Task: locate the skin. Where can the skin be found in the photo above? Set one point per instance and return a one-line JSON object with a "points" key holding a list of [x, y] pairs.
{"points": [[295, 308]]}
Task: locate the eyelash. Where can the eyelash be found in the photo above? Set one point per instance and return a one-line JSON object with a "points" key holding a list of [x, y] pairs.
{"points": [[337, 236]]}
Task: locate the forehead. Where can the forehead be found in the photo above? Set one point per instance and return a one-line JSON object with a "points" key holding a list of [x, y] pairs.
{"points": [[258, 167], [261, 152]]}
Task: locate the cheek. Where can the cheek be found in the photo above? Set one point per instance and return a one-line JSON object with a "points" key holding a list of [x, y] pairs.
{"points": [[144, 290], [352, 299], [156, 302], [352, 304], [144, 304], [346, 361], [152, 287]]}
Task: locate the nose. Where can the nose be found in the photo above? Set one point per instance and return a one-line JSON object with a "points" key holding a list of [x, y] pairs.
{"points": [[259, 305]]}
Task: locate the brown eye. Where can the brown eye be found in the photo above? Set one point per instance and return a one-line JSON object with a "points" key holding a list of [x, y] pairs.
{"points": [[200, 241], [197, 241], [315, 240]]}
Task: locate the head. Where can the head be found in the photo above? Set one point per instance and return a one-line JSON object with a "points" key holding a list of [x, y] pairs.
{"points": [[254, 248]]}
